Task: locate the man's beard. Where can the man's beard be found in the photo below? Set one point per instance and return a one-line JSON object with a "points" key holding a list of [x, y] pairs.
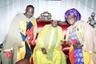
{"points": [[27, 15], [54, 25]]}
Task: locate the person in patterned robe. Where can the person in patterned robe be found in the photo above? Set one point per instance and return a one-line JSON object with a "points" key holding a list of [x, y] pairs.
{"points": [[20, 37], [81, 38]]}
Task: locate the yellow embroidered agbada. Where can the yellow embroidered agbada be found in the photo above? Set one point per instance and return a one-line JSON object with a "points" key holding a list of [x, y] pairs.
{"points": [[49, 38]]}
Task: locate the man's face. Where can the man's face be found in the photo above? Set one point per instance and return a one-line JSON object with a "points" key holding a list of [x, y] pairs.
{"points": [[29, 12], [71, 20], [54, 23]]}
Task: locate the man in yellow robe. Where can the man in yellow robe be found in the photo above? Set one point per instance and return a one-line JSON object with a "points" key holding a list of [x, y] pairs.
{"points": [[48, 46], [14, 43]]}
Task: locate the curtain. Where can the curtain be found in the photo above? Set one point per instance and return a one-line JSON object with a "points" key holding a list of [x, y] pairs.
{"points": [[9, 8]]}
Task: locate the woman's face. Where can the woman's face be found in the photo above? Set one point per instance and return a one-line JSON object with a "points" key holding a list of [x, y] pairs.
{"points": [[71, 19]]}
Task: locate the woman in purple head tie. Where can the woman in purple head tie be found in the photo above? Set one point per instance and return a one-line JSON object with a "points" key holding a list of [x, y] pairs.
{"points": [[81, 37]]}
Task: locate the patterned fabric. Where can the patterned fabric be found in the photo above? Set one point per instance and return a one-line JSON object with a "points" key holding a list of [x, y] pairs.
{"points": [[83, 31], [71, 54], [28, 30], [22, 36], [77, 53], [78, 56], [73, 38], [74, 12], [28, 52], [29, 25]]}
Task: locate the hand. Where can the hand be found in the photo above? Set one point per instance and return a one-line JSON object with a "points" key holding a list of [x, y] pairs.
{"points": [[33, 42], [43, 50], [79, 46], [63, 43], [27, 39]]}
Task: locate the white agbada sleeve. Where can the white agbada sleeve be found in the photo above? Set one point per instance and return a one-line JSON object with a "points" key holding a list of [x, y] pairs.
{"points": [[89, 37], [13, 38]]}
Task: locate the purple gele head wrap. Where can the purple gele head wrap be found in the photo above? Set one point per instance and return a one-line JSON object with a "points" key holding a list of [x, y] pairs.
{"points": [[73, 12]]}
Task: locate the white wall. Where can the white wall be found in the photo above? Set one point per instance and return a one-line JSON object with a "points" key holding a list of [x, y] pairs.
{"points": [[9, 8]]}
